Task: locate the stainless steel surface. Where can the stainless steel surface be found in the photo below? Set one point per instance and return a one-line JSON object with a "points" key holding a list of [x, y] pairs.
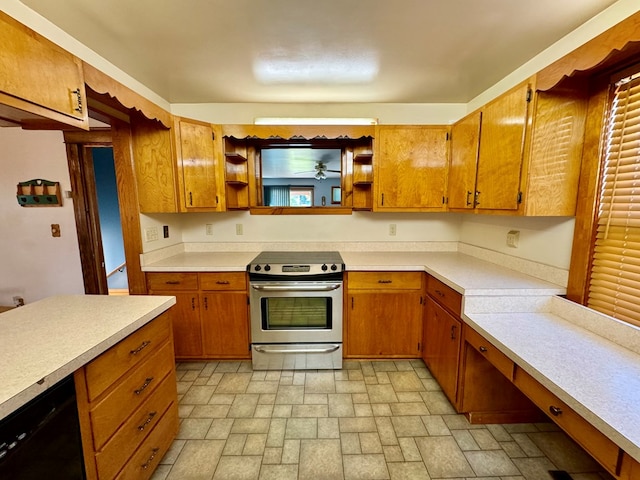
{"points": [[296, 310], [296, 264], [297, 357]]}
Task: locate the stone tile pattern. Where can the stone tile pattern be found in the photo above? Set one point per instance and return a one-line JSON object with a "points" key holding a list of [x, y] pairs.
{"points": [[386, 420]]}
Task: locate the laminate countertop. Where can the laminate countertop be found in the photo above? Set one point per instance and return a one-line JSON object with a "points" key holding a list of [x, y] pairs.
{"points": [[464, 273], [45, 341]]}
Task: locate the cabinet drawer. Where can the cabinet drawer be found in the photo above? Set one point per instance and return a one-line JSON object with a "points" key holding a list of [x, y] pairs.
{"points": [[590, 438], [133, 350], [137, 427], [444, 294], [135, 388], [223, 281], [172, 281], [498, 359], [384, 280], [145, 460]]}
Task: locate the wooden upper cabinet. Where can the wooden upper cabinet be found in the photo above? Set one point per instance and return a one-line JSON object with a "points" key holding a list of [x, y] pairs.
{"points": [[501, 150], [465, 143], [523, 151], [411, 167], [39, 77], [199, 168], [154, 166]]}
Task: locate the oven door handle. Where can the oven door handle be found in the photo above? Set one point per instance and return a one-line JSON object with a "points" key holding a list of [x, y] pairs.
{"points": [[267, 349], [296, 288]]}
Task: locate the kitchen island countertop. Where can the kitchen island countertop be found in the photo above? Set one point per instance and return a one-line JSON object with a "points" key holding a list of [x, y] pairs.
{"points": [[45, 341]]}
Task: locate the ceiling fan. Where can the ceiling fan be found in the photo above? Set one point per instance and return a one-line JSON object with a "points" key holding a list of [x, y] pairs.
{"points": [[321, 169]]}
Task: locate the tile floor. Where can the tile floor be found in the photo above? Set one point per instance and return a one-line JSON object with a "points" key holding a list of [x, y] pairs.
{"points": [[370, 420]]}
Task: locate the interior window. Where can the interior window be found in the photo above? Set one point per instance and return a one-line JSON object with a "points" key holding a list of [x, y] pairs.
{"points": [[300, 176], [615, 272]]}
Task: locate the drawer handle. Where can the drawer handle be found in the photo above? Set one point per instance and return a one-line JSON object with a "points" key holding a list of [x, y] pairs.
{"points": [[142, 346], [146, 383], [453, 332], [385, 281], [172, 282], [555, 411], [222, 282], [483, 349], [147, 464], [149, 419], [439, 293]]}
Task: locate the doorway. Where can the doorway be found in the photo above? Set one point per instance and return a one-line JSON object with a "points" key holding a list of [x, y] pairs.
{"points": [[109, 220]]}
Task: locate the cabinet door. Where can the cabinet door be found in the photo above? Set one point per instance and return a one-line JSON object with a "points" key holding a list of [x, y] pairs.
{"points": [[441, 351], [504, 122], [39, 72], [185, 318], [198, 165], [384, 324], [225, 324], [465, 142], [411, 167]]}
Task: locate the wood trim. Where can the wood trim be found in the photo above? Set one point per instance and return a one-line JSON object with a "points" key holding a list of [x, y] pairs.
{"points": [[103, 84], [85, 210], [608, 48], [306, 132], [300, 210], [586, 206], [128, 200]]}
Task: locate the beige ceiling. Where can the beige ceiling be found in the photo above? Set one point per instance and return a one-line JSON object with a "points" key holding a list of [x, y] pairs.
{"points": [[387, 51]]}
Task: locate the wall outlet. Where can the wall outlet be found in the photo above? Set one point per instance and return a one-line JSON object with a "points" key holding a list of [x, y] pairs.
{"points": [[151, 234], [239, 229], [392, 229], [513, 237], [208, 228], [165, 231], [18, 301]]}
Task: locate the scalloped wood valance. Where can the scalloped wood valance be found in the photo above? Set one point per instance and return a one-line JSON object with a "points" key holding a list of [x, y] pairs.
{"points": [[298, 132], [618, 44], [103, 84]]}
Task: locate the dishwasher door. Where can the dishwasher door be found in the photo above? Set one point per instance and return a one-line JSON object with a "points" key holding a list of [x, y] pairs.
{"points": [[42, 439]]}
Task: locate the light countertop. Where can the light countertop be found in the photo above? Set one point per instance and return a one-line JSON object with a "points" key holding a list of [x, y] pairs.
{"points": [[596, 376], [464, 273], [45, 341]]}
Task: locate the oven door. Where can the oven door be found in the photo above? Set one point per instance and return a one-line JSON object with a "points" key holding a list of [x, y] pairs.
{"points": [[295, 312]]}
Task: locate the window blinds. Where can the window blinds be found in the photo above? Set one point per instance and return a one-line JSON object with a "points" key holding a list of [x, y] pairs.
{"points": [[614, 288]]}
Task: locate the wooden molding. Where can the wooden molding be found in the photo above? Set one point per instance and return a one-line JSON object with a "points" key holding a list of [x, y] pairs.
{"points": [[103, 84], [610, 47]]}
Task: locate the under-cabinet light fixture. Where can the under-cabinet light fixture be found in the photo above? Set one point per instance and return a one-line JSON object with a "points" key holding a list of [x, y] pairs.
{"points": [[315, 121]]}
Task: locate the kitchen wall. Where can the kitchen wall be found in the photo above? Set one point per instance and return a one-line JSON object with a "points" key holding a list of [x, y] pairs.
{"points": [[33, 264]]}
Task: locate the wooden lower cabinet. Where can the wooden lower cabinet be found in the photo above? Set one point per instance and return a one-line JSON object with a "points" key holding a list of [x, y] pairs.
{"points": [[211, 315], [441, 350], [384, 314], [442, 337], [128, 404]]}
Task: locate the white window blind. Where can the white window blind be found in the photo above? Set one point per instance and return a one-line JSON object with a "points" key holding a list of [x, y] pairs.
{"points": [[614, 287]]}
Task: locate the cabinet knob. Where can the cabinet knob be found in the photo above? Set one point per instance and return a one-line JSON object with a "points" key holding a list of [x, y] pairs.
{"points": [[555, 411], [483, 349]]}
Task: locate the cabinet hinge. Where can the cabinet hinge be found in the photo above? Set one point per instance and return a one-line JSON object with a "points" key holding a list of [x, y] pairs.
{"points": [[382, 200], [529, 94], [248, 301], [448, 137], [418, 346], [519, 198], [421, 300], [213, 135], [445, 200]]}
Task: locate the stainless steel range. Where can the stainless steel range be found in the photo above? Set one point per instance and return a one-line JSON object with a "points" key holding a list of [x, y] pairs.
{"points": [[296, 310]]}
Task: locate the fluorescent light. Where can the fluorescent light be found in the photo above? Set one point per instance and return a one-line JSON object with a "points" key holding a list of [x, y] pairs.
{"points": [[315, 121]]}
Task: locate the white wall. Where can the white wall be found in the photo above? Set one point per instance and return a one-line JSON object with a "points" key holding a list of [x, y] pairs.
{"points": [[33, 264], [546, 240]]}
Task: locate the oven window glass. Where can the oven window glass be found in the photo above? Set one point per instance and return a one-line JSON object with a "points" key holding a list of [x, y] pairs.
{"points": [[296, 313]]}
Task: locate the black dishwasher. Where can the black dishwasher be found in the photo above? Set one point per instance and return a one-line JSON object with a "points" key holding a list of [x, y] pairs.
{"points": [[42, 439]]}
